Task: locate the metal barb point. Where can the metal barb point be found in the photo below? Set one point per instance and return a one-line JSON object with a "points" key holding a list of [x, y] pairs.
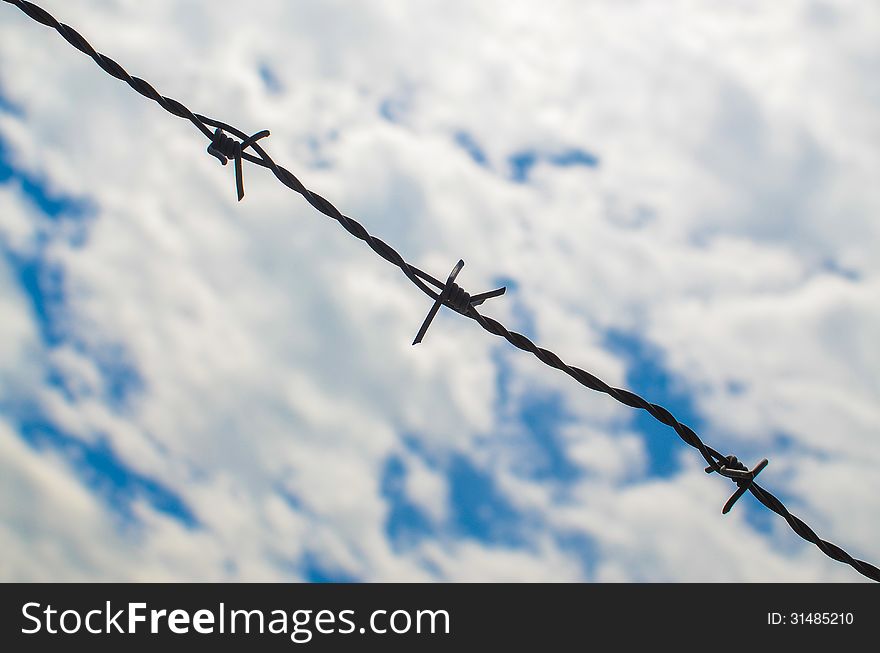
{"points": [[734, 469], [226, 147], [455, 298]]}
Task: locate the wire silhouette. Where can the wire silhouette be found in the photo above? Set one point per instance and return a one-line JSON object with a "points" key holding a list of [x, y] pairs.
{"points": [[448, 294]]}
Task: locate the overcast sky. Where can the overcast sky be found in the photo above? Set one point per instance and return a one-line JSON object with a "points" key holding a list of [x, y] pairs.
{"points": [[681, 197]]}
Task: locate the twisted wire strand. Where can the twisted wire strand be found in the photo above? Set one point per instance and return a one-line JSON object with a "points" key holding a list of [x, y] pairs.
{"points": [[455, 298]]}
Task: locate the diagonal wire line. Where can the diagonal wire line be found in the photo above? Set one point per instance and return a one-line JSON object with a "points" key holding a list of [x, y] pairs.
{"points": [[448, 294]]}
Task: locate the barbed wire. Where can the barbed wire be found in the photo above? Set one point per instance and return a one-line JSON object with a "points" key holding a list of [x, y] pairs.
{"points": [[448, 294]]}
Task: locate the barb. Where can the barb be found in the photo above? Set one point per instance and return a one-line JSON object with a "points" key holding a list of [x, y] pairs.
{"points": [[744, 478], [225, 148], [455, 298], [449, 293]]}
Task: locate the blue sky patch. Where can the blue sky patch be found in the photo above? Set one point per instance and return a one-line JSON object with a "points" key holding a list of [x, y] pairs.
{"points": [[414, 443], [647, 376], [291, 499], [406, 524], [42, 280], [7, 106], [469, 144], [583, 547], [314, 571], [270, 80], [317, 144], [122, 381], [56, 379], [522, 162], [756, 515], [393, 109], [105, 473], [573, 157], [537, 419], [832, 266], [38, 191], [543, 416], [43, 284], [479, 509], [523, 319]]}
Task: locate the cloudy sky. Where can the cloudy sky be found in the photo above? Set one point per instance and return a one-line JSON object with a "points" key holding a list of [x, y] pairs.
{"points": [[681, 197]]}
